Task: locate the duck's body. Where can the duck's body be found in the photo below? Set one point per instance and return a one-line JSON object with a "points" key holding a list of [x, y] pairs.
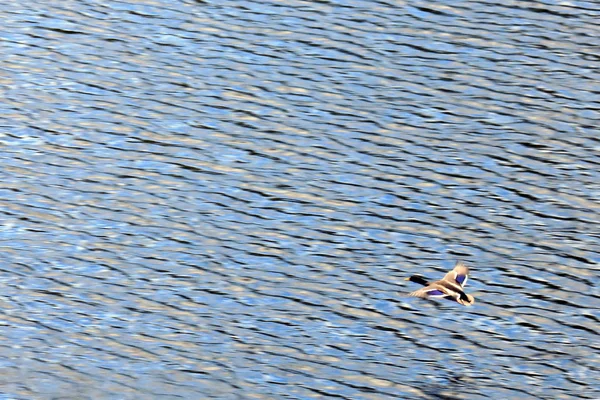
{"points": [[449, 287]]}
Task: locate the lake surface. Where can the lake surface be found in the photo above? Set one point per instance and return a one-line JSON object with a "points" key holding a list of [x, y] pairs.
{"points": [[221, 199]]}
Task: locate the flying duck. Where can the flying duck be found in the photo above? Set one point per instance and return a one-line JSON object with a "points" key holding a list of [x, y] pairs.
{"points": [[449, 287]]}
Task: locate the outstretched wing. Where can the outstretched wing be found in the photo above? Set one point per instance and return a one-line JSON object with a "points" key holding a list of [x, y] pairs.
{"points": [[428, 291], [459, 275]]}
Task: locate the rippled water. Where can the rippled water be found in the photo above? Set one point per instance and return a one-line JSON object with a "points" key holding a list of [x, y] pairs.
{"points": [[207, 199]]}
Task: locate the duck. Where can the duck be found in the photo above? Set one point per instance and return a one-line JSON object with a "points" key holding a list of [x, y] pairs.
{"points": [[450, 287]]}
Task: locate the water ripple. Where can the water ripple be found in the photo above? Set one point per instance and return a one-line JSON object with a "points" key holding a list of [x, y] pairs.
{"points": [[209, 200]]}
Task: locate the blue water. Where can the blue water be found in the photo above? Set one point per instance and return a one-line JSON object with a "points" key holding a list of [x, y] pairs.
{"points": [[222, 199]]}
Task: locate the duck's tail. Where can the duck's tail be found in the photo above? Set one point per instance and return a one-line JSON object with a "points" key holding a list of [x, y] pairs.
{"points": [[468, 302]]}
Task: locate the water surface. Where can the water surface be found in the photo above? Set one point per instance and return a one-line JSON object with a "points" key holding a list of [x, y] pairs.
{"points": [[221, 199]]}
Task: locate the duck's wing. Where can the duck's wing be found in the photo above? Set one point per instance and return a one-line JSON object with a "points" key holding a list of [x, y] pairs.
{"points": [[458, 275], [429, 291]]}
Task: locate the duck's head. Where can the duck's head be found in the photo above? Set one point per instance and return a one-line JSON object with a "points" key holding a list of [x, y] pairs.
{"points": [[417, 279]]}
